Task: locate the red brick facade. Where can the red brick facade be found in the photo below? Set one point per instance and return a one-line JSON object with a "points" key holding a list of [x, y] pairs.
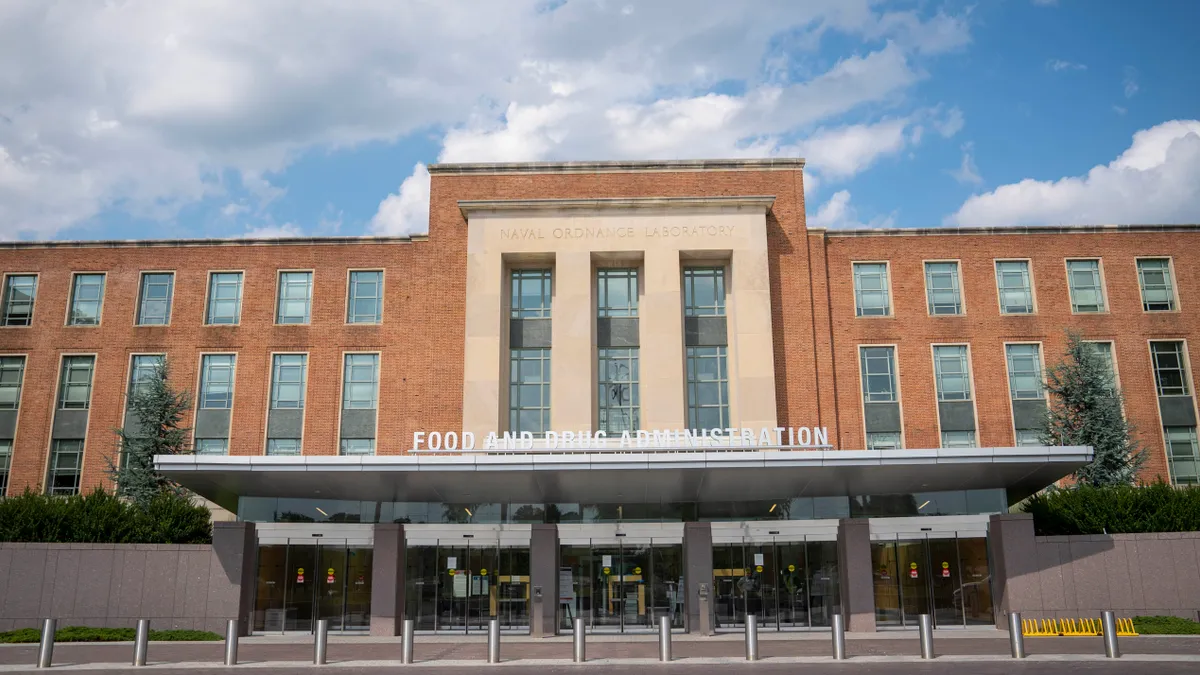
{"points": [[421, 338]]}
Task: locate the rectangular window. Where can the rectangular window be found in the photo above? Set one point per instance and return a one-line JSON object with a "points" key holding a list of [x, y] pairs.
{"points": [[75, 385], [952, 374], [872, 297], [1183, 454], [283, 446], [530, 297], [358, 446], [1015, 287], [154, 299], [66, 460], [619, 403], [360, 384], [878, 374], [883, 440], [958, 439], [1170, 368], [616, 292], [87, 297], [20, 290], [942, 288], [1104, 350], [529, 391], [365, 304], [1028, 438], [12, 376], [224, 298], [288, 372], [704, 291], [216, 380], [294, 304], [212, 446], [1087, 289], [1154, 278], [1024, 371], [143, 369], [708, 388], [5, 465]]}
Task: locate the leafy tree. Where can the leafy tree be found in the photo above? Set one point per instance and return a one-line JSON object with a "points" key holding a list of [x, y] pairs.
{"points": [[158, 410], [1085, 409]]}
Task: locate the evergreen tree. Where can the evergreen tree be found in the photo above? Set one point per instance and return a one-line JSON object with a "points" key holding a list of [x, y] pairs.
{"points": [[157, 429], [1085, 409]]}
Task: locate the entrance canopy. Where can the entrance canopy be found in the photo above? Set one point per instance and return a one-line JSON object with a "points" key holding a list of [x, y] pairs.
{"points": [[632, 477]]}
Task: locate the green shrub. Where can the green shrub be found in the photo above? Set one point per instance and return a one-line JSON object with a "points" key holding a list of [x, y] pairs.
{"points": [[1165, 625], [87, 634], [1117, 509], [102, 518]]}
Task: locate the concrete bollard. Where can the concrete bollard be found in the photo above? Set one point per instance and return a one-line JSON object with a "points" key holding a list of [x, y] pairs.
{"points": [[1016, 635], [46, 646], [141, 642]]}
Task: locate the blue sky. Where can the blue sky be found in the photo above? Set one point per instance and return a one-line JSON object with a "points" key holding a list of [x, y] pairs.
{"points": [[180, 119]]}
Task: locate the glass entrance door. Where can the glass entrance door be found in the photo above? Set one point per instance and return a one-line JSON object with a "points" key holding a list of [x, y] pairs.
{"points": [[621, 587], [299, 583], [461, 584], [786, 584], [947, 578]]}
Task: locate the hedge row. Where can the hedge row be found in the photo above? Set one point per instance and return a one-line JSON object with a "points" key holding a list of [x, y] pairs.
{"points": [[103, 518], [1121, 509], [86, 634], [1165, 625]]}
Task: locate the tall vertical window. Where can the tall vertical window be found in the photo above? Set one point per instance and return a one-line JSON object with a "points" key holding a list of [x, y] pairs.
{"points": [[20, 290], [12, 375], [143, 369], [1087, 288], [287, 381], [707, 364], [1015, 286], [154, 299], [942, 288], [530, 294], [1170, 368], [294, 304], [529, 367], [1024, 371], [75, 383], [216, 380], [618, 401], [1104, 350], [66, 460], [952, 374], [365, 301], [360, 383], [5, 464], [878, 374], [1183, 455], [87, 297], [224, 298], [1158, 290], [872, 297]]}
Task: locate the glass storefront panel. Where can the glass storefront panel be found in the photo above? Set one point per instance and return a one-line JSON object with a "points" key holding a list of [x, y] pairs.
{"points": [[299, 583], [460, 586], [944, 583], [786, 584], [619, 587], [269, 601], [947, 577], [300, 588], [824, 597], [975, 595], [887, 583], [358, 588]]}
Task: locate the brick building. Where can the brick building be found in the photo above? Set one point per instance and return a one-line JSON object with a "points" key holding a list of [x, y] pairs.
{"points": [[565, 305]]}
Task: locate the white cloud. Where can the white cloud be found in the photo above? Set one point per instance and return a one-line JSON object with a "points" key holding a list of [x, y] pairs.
{"points": [[285, 230], [1120, 110], [1059, 65], [1156, 180], [839, 213], [407, 211], [1130, 81], [846, 151], [952, 124], [967, 172]]}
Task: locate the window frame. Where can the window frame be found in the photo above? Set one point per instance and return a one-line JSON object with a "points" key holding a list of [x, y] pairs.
{"points": [[100, 303], [724, 377], [8, 466], [272, 382], [962, 295], [37, 283], [1185, 363], [312, 283], [347, 300], [1041, 370], [887, 275], [970, 372], [199, 404], [1103, 284], [58, 381], [208, 289], [21, 388], [1169, 457], [1176, 305], [693, 310], [137, 308], [49, 465], [129, 373], [341, 408], [1112, 350], [862, 391], [862, 396], [512, 309], [1033, 296]]}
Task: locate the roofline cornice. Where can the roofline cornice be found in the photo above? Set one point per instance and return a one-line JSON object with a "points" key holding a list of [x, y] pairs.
{"points": [[167, 243], [1010, 230], [760, 203], [677, 165]]}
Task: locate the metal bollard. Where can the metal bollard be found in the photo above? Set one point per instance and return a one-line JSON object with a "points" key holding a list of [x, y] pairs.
{"points": [[494, 641], [46, 647], [141, 642], [320, 642], [839, 637], [1016, 635], [580, 641], [751, 637], [1109, 621], [406, 649], [664, 638], [926, 622], [231, 642]]}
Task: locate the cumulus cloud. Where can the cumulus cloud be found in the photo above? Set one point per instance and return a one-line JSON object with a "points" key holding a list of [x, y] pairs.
{"points": [[406, 212], [1156, 180], [846, 151], [967, 172], [839, 213], [283, 231]]}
